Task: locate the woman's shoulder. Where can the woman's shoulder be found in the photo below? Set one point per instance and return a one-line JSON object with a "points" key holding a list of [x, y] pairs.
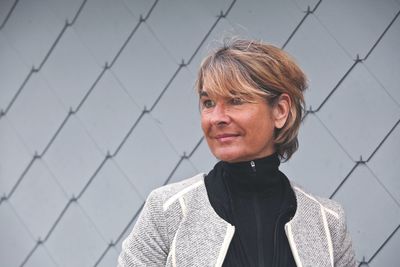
{"points": [[172, 190], [329, 205]]}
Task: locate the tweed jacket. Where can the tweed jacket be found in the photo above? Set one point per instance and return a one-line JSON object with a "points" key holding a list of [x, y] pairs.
{"points": [[179, 227]]}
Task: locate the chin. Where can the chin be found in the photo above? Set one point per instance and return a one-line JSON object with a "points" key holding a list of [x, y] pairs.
{"points": [[228, 156]]}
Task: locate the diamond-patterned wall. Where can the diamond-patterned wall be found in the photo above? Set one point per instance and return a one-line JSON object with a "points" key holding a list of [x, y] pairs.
{"points": [[98, 108]]}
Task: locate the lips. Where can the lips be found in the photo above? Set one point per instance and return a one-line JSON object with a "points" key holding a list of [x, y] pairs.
{"points": [[226, 137]]}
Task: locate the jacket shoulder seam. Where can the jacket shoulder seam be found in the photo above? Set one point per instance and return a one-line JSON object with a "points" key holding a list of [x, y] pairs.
{"points": [[180, 193], [332, 212]]}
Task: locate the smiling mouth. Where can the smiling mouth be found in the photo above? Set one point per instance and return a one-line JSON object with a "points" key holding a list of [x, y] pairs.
{"points": [[226, 137]]}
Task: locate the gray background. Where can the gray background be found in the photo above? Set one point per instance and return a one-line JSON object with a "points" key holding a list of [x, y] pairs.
{"points": [[98, 108]]}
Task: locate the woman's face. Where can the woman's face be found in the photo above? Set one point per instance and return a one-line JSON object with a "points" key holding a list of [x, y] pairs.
{"points": [[235, 130]]}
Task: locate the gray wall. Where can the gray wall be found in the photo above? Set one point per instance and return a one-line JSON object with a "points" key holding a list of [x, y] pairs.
{"points": [[98, 108]]}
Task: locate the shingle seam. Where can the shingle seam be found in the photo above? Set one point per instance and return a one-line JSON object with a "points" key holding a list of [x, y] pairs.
{"points": [[141, 20], [219, 17], [151, 10], [26, 259], [33, 69], [384, 139], [15, 186], [35, 157], [71, 111], [166, 87], [9, 14], [333, 136], [383, 34], [73, 199], [41, 241], [356, 61], [361, 161], [377, 79], [183, 63], [129, 132], [383, 244], [112, 244], [383, 186], [229, 8], [316, 6], [307, 13]]}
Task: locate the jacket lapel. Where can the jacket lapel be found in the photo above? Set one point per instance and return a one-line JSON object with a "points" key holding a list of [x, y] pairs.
{"points": [[202, 238], [306, 233]]}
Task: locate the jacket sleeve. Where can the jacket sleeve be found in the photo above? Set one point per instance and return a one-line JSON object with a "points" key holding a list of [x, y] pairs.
{"points": [[343, 250], [147, 244]]}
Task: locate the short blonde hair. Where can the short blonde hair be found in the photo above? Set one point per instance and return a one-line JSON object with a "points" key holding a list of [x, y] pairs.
{"points": [[251, 68]]}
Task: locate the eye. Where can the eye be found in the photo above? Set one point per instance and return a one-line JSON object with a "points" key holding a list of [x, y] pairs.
{"points": [[236, 101], [208, 103]]}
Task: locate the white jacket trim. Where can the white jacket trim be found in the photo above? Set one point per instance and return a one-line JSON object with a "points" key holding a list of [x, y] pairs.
{"points": [[183, 206], [314, 199], [295, 252], [181, 193], [230, 230], [328, 234]]}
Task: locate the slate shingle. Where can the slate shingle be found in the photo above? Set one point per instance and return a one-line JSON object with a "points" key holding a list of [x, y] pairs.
{"points": [[357, 105], [384, 163], [147, 157], [41, 258], [32, 29], [14, 154], [144, 67], [389, 255], [39, 200], [73, 157], [309, 46], [110, 201], [13, 72], [71, 70], [357, 24], [185, 170], [108, 113], [15, 240], [371, 214], [384, 61], [263, 20], [75, 241], [202, 158], [37, 113], [178, 113], [320, 164], [103, 27], [185, 29]]}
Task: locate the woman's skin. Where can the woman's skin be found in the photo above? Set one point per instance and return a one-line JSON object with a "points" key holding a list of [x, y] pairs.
{"points": [[236, 130]]}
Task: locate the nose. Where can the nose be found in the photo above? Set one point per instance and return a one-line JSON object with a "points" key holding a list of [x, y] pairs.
{"points": [[219, 115]]}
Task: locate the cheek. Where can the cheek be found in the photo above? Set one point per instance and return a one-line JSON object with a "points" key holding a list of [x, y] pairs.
{"points": [[204, 124]]}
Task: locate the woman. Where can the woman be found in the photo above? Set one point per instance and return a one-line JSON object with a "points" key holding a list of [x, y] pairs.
{"points": [[244, 212]]}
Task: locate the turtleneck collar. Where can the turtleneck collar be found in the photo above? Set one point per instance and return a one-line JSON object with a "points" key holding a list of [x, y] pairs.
{"points": [[259, 175]]}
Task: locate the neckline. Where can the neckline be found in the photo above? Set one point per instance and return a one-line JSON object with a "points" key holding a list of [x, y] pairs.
{"points": [[254, 176]]}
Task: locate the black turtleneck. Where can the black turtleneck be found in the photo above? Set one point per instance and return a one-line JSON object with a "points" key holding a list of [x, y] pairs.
{"points": [[258, 200]]}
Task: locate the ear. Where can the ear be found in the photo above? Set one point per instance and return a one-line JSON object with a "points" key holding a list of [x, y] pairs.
{"points": [[281, 110]]}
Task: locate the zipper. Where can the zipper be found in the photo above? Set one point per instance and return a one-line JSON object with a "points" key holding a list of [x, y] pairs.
{"points": [[253, 165], [260, 247]]}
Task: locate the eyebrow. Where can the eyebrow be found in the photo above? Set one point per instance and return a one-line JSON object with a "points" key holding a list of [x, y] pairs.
{"points": [[203, 93]]}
